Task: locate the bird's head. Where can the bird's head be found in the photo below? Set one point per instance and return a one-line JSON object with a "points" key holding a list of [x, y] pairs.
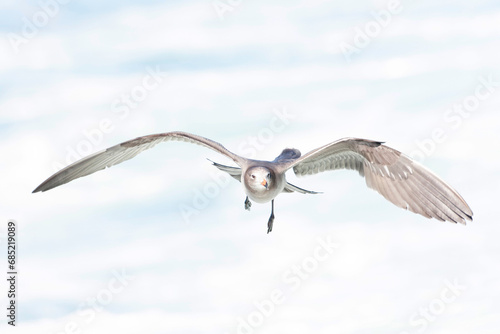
{"points": [[259, 178]]}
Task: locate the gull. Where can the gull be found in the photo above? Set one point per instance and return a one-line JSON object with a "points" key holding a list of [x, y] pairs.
{"points": [[398, 178]]}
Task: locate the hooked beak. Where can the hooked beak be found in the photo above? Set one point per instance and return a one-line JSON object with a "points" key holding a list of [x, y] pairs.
{"points": [[264, 183]]}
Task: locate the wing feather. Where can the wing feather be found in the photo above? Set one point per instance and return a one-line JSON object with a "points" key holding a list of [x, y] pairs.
{"points": [[290, 188], [398, 178], [125, 151]]}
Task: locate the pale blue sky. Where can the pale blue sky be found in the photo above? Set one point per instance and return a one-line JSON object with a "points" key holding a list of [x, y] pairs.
{"points": [[265, 76]]}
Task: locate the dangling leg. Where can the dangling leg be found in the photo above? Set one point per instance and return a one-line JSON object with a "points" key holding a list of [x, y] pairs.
{"points": [[271, 219], [248, 204]]}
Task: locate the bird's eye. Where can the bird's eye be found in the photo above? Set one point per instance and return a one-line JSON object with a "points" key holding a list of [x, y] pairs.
{"points": [[252, 176], [268, 175]]}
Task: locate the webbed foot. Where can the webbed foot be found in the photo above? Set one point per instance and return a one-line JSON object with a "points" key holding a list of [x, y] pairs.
{"points": [[248, 204]]}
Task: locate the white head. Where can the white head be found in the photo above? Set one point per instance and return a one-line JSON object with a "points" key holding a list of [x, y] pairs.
{"points": [[259, 179]]}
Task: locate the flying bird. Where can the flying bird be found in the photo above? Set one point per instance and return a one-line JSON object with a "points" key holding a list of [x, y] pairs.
{"points": [[395, 176]]}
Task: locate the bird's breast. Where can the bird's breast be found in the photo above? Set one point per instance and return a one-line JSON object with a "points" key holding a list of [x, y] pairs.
{"points": [[264, 195]]}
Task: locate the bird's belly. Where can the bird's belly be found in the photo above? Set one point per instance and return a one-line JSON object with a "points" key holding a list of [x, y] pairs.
{"points": [[264, 196]]}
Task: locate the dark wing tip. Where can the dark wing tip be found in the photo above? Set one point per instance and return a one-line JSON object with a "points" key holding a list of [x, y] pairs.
{"points": [[38, 189], [41, 188], [371, 143]]}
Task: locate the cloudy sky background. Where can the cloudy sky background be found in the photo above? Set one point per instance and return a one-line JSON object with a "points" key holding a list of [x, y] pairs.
{"points": [[257, 76]]}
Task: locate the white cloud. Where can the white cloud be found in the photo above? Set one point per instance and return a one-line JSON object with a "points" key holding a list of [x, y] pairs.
{"points": [[40, 53], [203, 275]]}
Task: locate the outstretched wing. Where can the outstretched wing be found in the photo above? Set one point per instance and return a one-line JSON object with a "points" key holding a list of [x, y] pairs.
{"points": [[290, 188], [125, 151], [399, 179], [235, 172]]}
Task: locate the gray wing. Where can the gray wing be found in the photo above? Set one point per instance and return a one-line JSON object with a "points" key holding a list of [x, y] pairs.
{"points": [[125, 151], [399, 179], [235, 172], [290, 188]]}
